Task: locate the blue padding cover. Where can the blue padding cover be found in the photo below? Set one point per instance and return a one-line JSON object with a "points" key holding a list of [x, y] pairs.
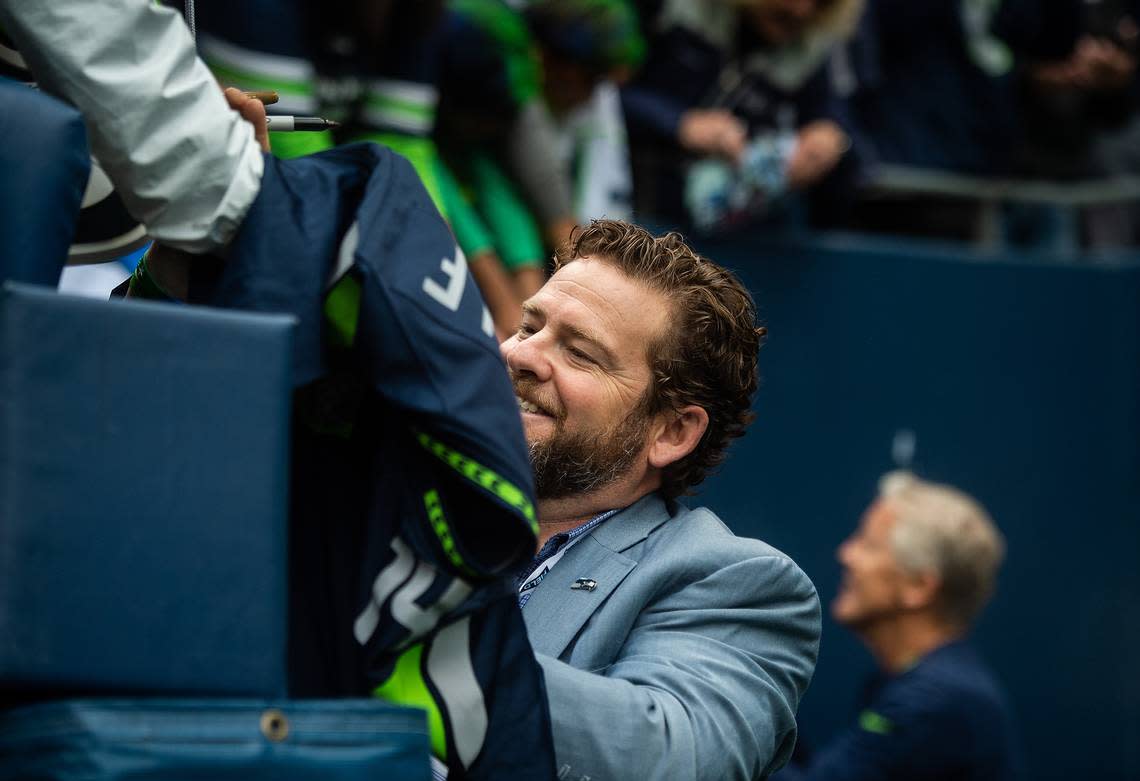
{"points": [[214, 740], [44, 167], [143, 496]]}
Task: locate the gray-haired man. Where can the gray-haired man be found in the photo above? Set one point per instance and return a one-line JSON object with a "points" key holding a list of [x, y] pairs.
{"points": [[916, 574]]}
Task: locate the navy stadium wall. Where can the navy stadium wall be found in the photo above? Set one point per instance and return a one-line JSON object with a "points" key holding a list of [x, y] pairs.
{"points": [[1019, 380]]}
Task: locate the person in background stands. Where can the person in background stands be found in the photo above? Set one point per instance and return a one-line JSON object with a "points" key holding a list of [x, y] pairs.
{"points": [[589, 48], [1078, 91], [496, 135], [724, 77]]}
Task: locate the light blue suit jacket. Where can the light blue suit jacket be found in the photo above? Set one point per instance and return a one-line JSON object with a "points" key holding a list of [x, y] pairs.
{"points": [[688, 658]]}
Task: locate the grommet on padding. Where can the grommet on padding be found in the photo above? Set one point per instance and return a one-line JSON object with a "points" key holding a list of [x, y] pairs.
{"points": [[274, 725]]}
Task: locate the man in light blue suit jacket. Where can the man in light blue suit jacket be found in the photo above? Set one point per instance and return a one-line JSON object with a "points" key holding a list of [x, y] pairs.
{"points": [[671, 648]]}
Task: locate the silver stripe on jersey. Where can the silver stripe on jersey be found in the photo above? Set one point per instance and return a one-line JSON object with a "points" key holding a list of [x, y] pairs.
{"points": [[450, 669]]}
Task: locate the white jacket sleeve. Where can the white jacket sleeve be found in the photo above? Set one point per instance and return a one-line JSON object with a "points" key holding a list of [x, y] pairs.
{"points": [[185, 165]]}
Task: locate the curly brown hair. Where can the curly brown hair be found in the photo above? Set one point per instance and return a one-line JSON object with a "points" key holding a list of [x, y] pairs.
{"points": [[707, 357]]}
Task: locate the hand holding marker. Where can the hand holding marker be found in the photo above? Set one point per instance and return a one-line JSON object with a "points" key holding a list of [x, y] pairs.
{"points": [[278, 124]]}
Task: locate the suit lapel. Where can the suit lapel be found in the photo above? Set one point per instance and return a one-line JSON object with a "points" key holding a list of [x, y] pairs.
{"points": [[556, 612]]}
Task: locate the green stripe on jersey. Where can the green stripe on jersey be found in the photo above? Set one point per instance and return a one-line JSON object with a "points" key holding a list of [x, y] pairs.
{"points": [[342, 311], [443, 531], [486, 478], [406, 686]]}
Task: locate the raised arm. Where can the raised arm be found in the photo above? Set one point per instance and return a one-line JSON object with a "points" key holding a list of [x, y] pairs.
{"points": [[184, 164]]}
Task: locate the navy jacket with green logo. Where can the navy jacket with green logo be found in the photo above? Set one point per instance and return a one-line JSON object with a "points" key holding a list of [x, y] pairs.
{"points": [[944, 719]]}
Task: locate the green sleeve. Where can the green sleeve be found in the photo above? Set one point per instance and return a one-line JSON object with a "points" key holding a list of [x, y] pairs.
{"points": [[516, 234]]}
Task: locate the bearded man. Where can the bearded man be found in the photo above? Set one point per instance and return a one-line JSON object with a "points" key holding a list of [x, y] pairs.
{"points": [[671, 648]]}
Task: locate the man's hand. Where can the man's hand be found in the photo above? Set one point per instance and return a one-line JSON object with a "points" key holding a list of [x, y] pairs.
{"points": [[819, 145], [168, 267], [1103, 66], [713, 132], [1096, 65], [252, 111]]}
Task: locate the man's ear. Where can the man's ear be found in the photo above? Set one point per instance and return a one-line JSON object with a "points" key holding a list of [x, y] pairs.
{"points": [[677, 434], [921, 590]]}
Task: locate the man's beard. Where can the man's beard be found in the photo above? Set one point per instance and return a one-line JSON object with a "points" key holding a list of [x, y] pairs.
{"points": [[571, 463]]}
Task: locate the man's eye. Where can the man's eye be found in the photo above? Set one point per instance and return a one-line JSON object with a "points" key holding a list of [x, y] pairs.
{"points": [[525, 331], [581, 356]]}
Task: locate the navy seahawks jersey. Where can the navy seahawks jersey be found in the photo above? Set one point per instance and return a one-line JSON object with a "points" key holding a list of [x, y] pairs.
{"points": [[412, 503]]}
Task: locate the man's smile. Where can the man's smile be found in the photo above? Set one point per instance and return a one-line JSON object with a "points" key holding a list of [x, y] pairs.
{"points": [[531, 408]]}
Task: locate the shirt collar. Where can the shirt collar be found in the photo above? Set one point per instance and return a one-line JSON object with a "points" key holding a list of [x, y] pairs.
{"points": [[562, 539]]}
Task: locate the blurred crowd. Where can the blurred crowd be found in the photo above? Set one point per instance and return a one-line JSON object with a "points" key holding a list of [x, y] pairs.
{"points": [[526, 117]]}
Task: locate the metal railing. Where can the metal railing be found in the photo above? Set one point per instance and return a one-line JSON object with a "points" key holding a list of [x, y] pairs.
{"points": [[991, 194]]}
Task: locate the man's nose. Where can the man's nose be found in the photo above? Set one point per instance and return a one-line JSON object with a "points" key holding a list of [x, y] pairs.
{"points": [[528, 356], [843, 552]]}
